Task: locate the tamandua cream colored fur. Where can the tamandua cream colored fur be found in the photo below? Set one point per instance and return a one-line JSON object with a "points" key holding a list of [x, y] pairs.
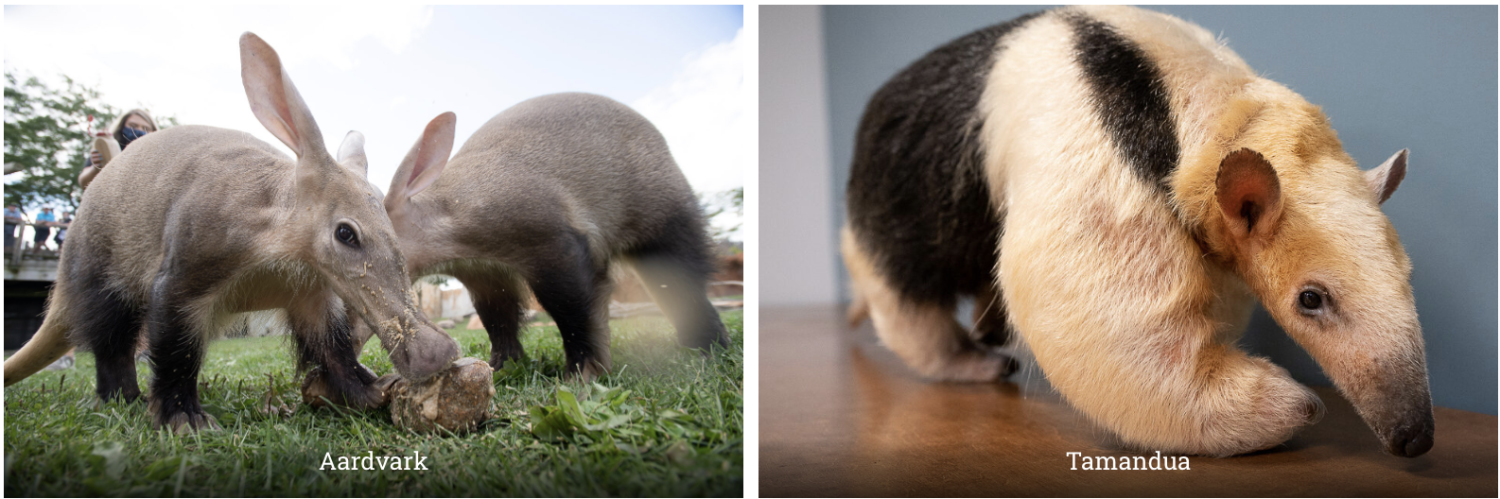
{"points": [[1146, 187]]}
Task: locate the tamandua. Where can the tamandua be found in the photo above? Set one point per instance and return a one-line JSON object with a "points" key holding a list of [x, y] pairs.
{"points": [[1118, 187]]}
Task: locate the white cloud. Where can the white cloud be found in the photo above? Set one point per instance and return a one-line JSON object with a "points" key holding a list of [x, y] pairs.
{"points": [[183, 61], [330, 32], [70, 35], [702, 114], [141, 51]]}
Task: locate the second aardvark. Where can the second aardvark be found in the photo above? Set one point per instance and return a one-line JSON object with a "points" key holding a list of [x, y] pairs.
{"points": [[546, 196]]}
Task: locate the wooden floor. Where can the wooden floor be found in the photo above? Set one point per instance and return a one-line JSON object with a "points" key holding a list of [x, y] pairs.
{"points": [[840, 416]]}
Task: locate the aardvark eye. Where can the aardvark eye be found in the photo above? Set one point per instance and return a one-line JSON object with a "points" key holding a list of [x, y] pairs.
{"points": [[345, 234]]}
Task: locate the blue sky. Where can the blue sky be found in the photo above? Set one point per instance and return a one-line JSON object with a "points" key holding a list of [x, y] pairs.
{"points": [[387, 71]]}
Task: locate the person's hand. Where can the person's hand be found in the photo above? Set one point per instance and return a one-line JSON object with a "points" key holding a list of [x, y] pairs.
{"points": [[96, 158]]}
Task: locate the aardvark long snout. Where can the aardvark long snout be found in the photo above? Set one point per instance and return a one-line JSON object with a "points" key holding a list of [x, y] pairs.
{"points": [[417, 347]]}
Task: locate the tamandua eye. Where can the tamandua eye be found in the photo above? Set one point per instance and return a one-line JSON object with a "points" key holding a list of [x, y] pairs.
{"points": [[1310, 301], [345, 234]]}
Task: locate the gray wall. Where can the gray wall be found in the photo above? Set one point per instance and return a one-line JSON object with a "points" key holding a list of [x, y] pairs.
{"points": [[1389, 77], [796, 189]]}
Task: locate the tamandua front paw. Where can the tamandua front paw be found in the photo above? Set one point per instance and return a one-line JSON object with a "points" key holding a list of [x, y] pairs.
{"points": [[1285, 406], [1277, 407]]}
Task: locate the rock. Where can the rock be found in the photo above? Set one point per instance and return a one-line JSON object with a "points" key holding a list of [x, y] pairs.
{"points": [[445, 324], [457, 399], [475, 324]]}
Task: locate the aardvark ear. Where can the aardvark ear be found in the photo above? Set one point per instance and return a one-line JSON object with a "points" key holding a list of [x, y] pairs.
{"points": [[425, 161], [274, 99], [352, 153]]}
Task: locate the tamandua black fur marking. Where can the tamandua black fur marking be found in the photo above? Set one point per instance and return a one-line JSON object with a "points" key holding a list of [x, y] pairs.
{"points": [[1118, 188]]}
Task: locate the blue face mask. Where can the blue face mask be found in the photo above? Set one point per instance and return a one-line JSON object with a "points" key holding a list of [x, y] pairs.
{"points": [[128, 135]]}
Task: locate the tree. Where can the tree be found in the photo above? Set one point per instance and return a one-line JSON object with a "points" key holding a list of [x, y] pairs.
{"points": [[728, 203], [46, 141]]}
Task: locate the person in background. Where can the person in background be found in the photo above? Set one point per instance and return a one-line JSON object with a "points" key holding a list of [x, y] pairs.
{"points": [[62, 229], [13, 219], [43, 227], [132, 125]]}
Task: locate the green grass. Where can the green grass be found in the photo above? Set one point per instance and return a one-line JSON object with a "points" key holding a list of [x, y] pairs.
{"points": [[666, 422]]}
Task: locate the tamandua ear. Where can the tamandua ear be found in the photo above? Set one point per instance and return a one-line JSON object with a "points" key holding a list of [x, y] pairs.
{"points": [[1384, 179], [1249, 195]]}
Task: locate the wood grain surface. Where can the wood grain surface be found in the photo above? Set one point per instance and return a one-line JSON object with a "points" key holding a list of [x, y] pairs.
{"points": [[840, 416]]}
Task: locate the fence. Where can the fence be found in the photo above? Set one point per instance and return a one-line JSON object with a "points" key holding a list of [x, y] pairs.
{"points": [[18, 247]]}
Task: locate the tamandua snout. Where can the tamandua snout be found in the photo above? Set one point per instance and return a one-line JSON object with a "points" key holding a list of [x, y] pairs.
{"points": [[1117, 187]]}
